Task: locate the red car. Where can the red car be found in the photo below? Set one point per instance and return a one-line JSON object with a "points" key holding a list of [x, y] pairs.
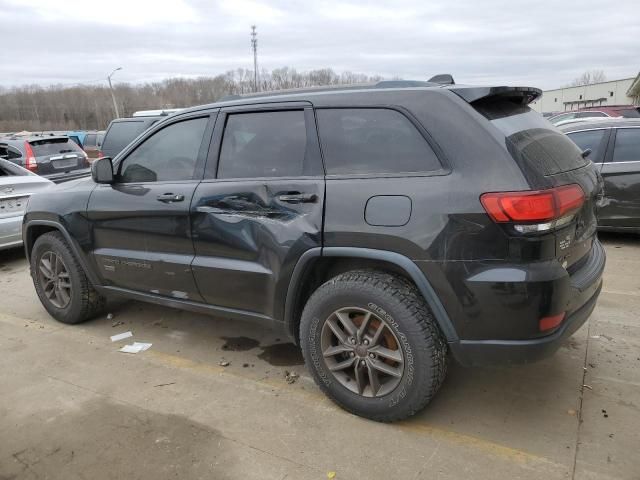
{"points": [[628, 111]]}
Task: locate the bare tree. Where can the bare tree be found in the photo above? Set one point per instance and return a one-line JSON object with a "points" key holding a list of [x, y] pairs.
{"points": [[588, 78], [36, 108]]}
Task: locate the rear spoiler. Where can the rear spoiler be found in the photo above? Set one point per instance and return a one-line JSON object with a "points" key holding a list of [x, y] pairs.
{"points": [[519, 95]]}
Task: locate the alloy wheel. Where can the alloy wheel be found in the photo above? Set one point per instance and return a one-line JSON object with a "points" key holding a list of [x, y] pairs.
{"points": [[55, 280], [362, 352]]}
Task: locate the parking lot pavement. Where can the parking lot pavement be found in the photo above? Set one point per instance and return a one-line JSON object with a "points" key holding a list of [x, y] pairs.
{"points": [[72, 406]]}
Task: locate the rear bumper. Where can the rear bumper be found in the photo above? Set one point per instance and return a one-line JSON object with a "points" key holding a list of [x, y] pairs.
{"points": [[10, 232], [502, 321], [504, 352]]}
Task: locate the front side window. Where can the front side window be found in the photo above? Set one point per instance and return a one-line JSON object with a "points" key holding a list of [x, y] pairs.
{"points": [[627, 147], [168, 155], [590, 139], [265, 144], [372, 141]]}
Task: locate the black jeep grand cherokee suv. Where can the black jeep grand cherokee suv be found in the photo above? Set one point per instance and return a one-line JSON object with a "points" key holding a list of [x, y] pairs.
{"points": [[379, 227]]}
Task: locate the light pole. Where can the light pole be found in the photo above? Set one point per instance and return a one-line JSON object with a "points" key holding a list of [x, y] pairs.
{"points": [[113, 96], [254, 47]]}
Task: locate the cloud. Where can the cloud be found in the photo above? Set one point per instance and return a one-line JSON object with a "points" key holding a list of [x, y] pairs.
{"points": [[545, 44]]}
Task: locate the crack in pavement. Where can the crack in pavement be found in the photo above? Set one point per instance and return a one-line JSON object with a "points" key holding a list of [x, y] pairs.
{"points": [[581, 399]]}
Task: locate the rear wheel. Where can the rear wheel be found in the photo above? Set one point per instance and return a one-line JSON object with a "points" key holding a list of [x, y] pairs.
{"points": [[60, 282], [372, 345]]}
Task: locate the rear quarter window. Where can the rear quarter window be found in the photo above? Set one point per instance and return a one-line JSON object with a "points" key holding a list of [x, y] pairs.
{"points": [[531, 140], [372, 141]]}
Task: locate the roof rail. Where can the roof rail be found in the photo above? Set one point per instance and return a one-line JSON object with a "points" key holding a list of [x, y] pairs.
{"points": [[328, 88]]}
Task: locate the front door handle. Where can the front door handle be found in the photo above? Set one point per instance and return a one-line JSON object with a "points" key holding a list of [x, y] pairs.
{"points": [[170, 198], [298, 197]]}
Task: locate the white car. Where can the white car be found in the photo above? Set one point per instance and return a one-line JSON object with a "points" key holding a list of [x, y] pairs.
{"points": [[16, 185]]}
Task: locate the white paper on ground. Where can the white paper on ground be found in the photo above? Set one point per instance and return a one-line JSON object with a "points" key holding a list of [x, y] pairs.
{"points": [[135, 347], [121, 336], [142, 346]]}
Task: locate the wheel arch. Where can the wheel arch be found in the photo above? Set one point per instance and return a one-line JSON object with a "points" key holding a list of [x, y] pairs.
{"points": [[33, 229], [317, 265]]}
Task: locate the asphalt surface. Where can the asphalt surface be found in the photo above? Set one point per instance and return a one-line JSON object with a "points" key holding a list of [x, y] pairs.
{"points": [[211, 399]]}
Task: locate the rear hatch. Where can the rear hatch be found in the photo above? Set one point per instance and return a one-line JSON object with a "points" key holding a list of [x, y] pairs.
{"points": [[56, 155], [553, 165]]}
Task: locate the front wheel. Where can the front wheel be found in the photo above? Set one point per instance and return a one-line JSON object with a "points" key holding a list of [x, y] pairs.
{"points": [[372, 345], [60, 282]]}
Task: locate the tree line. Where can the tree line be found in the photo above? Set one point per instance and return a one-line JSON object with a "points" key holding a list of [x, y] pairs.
{"points": [[90, 107]]}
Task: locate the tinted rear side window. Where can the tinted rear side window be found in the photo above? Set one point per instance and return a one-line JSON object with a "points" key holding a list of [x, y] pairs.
{"points": [[531, 141], [265, 144], [119, 135], [590, 139], [372, 141], [627, 147], [54, 146]]}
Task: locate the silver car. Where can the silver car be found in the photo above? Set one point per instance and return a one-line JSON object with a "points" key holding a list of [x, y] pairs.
{"points": [[16, 184]]}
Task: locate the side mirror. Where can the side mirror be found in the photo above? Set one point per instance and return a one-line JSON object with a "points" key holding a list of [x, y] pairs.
{"points": [[586, 153], [102, 170]]}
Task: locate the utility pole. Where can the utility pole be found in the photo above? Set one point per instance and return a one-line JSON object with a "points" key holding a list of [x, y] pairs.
{"points": [[113, 95], [254, 47]]}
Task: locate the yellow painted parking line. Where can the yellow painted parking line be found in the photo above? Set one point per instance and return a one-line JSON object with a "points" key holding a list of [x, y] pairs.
{"points": [[316, 397], [622, 292], [486, 446]]}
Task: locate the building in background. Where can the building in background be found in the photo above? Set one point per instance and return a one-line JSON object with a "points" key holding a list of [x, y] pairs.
{"points": [[615, 92]]}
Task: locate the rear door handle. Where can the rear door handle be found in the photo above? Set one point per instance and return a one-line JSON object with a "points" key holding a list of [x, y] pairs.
{"points": [[170, 198], [298, 198]]}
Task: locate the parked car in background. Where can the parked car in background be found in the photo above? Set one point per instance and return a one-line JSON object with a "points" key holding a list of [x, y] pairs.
{"points": [[615, 149], [55, 157], [16, 185], [75, 135], [377, 227], [122, 131], [92, 144], [626, 111]]}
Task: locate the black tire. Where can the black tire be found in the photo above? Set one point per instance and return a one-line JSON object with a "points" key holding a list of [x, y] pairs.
{"points": [[398, 302], [83, 301]]}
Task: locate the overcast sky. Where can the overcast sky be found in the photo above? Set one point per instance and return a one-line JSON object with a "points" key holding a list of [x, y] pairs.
{"points": [[544, 43]]}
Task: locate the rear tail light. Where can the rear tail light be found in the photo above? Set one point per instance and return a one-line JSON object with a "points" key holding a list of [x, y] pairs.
{"points": [[535, 210], [549, 323], [30, 163], [86, 158]]}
